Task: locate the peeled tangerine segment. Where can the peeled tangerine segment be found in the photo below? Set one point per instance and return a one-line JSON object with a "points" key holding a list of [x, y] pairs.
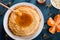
{"points": [[58, 28], [52, 29], [57, 18], [50, 22]]}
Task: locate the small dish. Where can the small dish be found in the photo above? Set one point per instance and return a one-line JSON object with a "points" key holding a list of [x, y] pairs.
{"points": [[54, 4]]}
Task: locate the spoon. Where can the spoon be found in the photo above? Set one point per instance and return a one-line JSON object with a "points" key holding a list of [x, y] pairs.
{"points": [[15, 11]]}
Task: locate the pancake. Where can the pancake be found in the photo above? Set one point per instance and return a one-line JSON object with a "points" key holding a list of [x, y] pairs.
{"points": [[24, 25]]}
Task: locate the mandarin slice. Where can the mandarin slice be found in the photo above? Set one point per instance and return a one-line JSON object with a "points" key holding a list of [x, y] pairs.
{"points": [[50, 22], [58, 28], [52, 29], [57, 19]]}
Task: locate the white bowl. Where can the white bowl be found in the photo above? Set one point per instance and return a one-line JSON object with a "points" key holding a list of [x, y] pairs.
{"points": [[53, 4], [5, 22]]}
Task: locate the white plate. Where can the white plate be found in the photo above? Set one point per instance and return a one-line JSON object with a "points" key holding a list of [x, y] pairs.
{"points": [[54, 5], [5, 22]]}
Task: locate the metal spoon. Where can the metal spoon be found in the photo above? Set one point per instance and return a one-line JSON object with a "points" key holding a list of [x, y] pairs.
{"points": [[16, 12]]}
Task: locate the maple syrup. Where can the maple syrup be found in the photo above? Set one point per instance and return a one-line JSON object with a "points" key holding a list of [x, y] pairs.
{"points": [[24, 20]]}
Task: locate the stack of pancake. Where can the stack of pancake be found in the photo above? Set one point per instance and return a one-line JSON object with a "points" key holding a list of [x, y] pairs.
{"points": [[24, 25]]}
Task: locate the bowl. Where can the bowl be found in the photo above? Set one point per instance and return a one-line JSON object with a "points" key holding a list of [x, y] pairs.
{"points": [[5, 22], [54, 4]]}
